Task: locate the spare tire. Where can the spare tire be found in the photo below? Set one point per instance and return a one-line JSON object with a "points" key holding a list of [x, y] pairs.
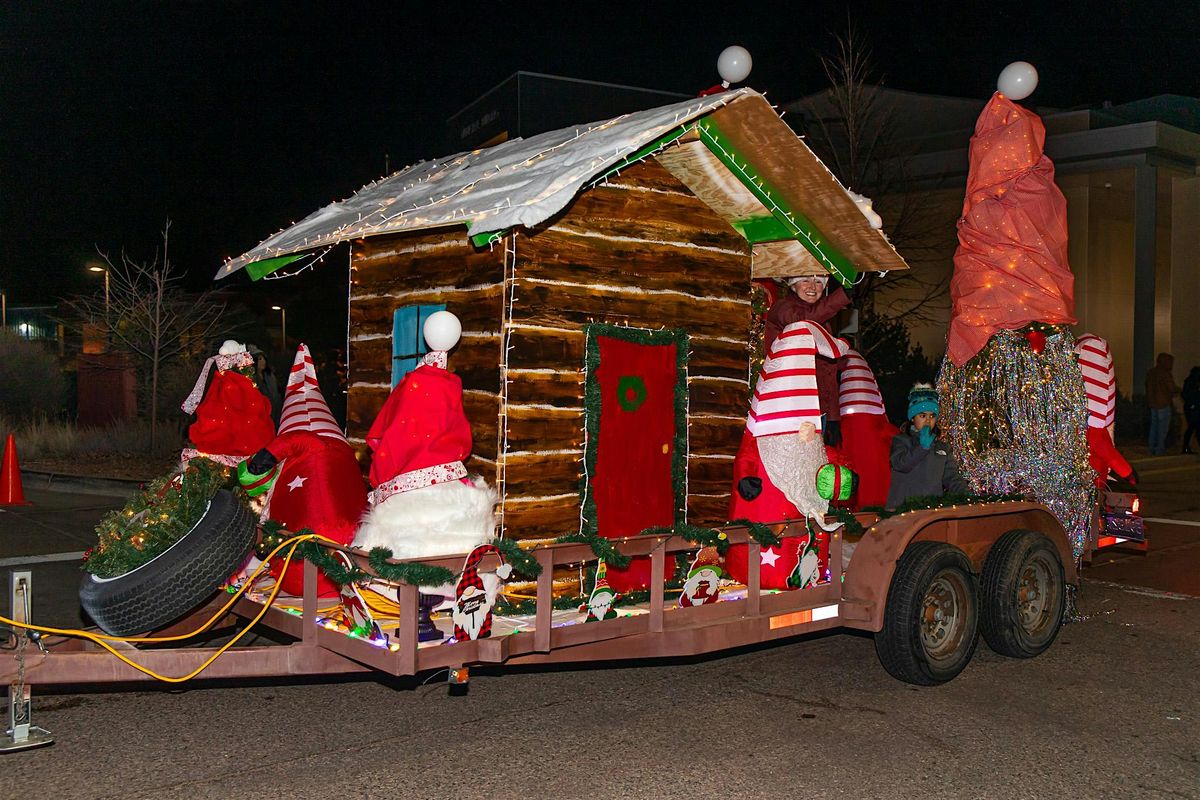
{"points": [[178, 579]]}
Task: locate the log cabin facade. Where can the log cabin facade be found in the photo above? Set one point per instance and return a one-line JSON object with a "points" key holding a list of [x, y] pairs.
{"points": [[659, 237]]}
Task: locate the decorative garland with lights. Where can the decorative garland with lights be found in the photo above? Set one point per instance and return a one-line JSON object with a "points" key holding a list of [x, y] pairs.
{"points": [[711, 537], [602, 548], [158, 516]]}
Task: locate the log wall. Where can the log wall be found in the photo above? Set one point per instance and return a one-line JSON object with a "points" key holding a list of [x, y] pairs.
{"points": [[640, 251], [389, 272]]}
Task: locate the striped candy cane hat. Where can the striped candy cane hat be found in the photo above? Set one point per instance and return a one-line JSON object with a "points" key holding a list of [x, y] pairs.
{"points": [[1099, 379], [786, 395], [858, 391], [304, 407]]}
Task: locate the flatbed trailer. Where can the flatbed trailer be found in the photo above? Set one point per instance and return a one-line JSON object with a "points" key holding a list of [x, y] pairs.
{"points": [[887, 588]]}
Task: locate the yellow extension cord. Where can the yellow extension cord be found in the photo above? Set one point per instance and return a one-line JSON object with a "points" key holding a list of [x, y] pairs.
{"points": [[103, 640]]}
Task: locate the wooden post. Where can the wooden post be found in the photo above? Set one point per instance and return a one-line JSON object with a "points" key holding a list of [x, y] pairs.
{"points": [[753, 578], [309, 603], [544, 619], [407, 596], [657, 560]]}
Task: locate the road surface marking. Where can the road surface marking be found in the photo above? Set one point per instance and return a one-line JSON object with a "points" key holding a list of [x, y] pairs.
{"points": [[1165, 521], [41, 559], [1142, 590]]}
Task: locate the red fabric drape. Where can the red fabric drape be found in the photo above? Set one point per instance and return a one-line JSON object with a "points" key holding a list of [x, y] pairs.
{"points": [[1011, 267], [632, 484], [234, 418]]}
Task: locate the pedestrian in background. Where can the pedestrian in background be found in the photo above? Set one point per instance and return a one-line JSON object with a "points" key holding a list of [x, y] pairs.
{"points": [[1160, 391], [1191, 408]]}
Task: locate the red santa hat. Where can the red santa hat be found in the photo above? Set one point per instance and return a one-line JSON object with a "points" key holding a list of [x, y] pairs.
{"points": [[786, 395], [1099, 380], [304, 407], [421, 436]]}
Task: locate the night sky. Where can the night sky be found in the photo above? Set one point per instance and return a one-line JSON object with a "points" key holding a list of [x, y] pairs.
{"points": [[235, 119]]}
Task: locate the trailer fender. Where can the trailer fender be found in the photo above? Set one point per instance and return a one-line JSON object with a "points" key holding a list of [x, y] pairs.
{"points": [[971, 528]]}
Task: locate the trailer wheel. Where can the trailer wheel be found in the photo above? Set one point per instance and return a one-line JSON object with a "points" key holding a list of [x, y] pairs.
{"points": [[1024, 594], [931, 621], [177, 580]]}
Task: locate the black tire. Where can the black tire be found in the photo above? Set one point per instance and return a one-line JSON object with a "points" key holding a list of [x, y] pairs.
{"points": [[1024, 594], [931, 621], [179, 579]]}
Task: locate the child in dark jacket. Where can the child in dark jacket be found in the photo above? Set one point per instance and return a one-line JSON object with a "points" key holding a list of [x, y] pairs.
{"points": [[922, 464]]}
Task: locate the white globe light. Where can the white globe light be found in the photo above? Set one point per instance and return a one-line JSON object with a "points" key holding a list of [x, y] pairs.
{"points": [[734, 63], [1018, 80], [442, 330]]}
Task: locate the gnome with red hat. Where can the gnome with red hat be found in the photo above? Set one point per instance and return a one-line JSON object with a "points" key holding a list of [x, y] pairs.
{"points": [[775, 471], [233, 418], [308, 474], [1013, 402], [424, 503]]}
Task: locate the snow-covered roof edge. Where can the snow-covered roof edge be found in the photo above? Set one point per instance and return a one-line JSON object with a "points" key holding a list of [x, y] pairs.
{"points": [[520, 182]]}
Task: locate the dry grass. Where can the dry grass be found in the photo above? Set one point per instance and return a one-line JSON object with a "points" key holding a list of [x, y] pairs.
{"points": [[121, 451]]}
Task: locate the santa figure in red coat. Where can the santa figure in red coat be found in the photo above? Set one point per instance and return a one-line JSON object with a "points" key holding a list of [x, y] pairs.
{"points": [[233, 420], [424, 503], [308, 474]]}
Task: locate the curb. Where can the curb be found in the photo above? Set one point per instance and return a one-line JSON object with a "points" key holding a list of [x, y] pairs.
{"points": [[63, 482]]}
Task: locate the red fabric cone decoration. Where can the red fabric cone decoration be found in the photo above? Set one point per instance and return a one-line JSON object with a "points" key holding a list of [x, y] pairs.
{"points": [[866, 433], [423, 503], [319, 483], [1011, 267], [304, 407], [233, 421], [1100, 387]]}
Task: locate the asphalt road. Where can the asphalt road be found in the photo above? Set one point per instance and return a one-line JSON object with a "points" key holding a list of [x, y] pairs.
{"points": [[1111, 710]]}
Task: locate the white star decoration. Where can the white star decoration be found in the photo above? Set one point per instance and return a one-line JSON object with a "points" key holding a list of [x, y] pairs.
{"points": [[769, 557], [299, 480]]}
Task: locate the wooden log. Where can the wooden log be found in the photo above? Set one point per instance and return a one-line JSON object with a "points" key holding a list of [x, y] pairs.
{"points": [[711, 511], [478, 308], [541, 519], [573, 306], [536, 429], [542, 475], [709, 475], [591, 258], [715, 436], [387, 264], [621, 214], [563, 388], [716, 397], [362, 406]]}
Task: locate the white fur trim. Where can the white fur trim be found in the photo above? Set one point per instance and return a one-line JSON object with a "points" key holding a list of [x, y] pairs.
{"points": [[439, 520]]}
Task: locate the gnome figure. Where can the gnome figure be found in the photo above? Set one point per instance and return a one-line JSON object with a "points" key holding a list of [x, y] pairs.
{"points": [[775, 472], [703, 584], [233, 418], [808, 565], [424, 503], [475, 596], [307, 475], [600, 601]]}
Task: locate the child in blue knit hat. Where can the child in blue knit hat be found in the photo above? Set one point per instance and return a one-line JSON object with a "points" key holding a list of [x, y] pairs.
{"points": [[922, 465]]}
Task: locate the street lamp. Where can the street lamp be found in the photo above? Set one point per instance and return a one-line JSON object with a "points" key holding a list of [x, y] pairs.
{"points": [[97, 268], [282, 324]]}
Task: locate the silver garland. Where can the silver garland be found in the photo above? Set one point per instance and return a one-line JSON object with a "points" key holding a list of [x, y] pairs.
{"points": [[1017, 421]]}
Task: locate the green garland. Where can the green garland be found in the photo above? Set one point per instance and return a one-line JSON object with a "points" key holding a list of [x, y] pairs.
{"points": [[601, 547], [158, 516], [925, 503], [850, 524], [758, 532]]}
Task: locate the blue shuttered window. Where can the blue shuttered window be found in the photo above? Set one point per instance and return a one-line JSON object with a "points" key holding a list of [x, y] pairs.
{"points": [[408, 343]]}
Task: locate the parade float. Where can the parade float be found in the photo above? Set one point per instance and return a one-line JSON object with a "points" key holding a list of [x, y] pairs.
{"points": [[571, 457]]}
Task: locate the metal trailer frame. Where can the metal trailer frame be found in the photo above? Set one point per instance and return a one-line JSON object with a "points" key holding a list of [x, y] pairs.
{"points": [[852, 599]]}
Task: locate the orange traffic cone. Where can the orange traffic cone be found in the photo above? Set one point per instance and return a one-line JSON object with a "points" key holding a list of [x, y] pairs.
{"points": [[11, 493]]}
